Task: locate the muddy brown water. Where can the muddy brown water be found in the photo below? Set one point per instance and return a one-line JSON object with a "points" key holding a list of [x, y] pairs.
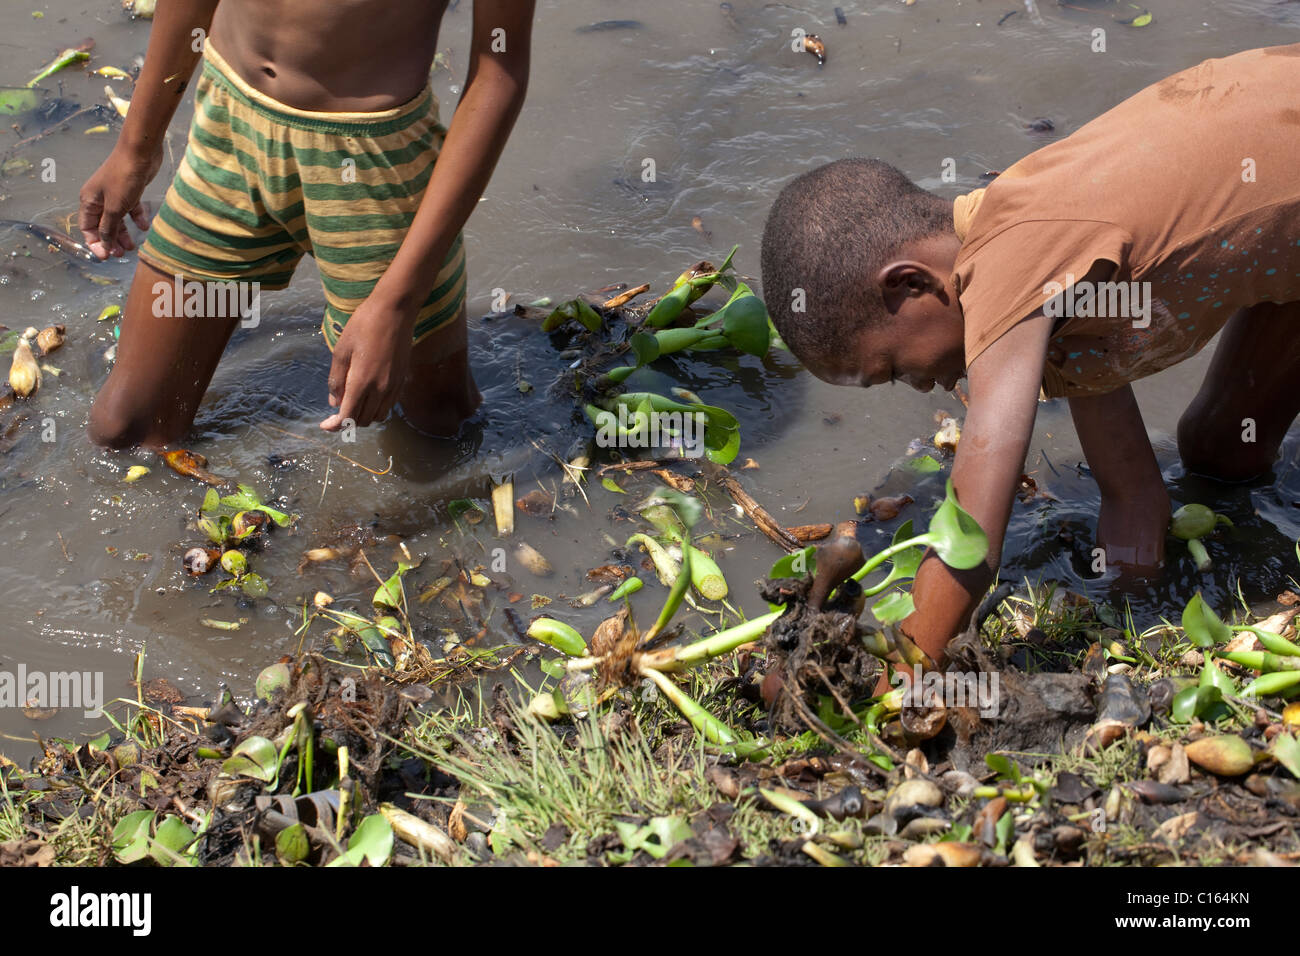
{"points": [[713, 94]]}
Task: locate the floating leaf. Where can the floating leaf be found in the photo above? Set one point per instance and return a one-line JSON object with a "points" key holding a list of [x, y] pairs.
{"points": [[372, 638], [389, 594], [923, 465], [645, 347], [18, 99], [553, 667], [558, 635], [247, 499], [64, 59], [253, 585], [745, 325]]}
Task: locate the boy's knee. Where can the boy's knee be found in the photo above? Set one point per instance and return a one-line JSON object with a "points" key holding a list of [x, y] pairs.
{"points": [[1224, 450], [113, 426]]}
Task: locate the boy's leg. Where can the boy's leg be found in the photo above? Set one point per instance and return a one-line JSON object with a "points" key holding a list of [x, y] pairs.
{"points": [[440, 392], [1233, 428], [162, 369]]}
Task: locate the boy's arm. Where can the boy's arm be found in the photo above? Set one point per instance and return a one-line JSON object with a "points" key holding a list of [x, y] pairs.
{"points": [[1004, 381], [1134, 501], [113, 191], [370, 359]]}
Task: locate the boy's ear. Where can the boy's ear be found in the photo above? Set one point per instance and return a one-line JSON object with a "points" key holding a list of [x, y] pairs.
{"points": [[907, 277]]}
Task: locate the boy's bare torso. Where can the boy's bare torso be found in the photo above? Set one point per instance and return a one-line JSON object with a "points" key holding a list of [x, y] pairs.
{"points": [[331, 55]]}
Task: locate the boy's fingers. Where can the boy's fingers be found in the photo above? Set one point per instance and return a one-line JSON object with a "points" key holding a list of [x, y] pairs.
{"points": [[90, 236], [364, 414], [338, 378], [109, 227], [351, 406], [139, 216], [88, 216], [339, 418], [354, 408]]}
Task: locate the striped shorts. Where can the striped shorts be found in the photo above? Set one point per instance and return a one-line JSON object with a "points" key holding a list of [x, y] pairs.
{"points": [[262, 184]]}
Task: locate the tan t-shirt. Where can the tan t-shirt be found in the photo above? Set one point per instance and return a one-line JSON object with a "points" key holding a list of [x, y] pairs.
{"points": [[1191, 185]]}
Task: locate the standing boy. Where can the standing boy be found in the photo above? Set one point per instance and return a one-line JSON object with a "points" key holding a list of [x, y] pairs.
{"points": [[315, 132]]}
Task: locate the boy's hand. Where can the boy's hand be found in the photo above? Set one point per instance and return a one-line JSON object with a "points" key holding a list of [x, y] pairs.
{"points": [[111, 194], [370, 363]]}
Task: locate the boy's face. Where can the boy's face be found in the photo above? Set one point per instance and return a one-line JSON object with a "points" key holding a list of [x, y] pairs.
{"points": [[922, 348], [919, 337]]}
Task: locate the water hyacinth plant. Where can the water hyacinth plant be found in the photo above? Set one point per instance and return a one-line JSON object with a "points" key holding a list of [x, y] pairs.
{"points": [[622, 655], [231, 521], [1278, 664], [645, 411], [625, 420], [1191, 523], [689, 286]]}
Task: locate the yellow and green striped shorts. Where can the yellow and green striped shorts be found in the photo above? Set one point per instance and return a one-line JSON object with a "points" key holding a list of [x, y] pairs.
{"points": [[262, 184]]}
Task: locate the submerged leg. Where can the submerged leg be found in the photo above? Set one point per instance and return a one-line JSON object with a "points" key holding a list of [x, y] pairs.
{"points": [[163, 367], [440, 393], [1233, 428]]}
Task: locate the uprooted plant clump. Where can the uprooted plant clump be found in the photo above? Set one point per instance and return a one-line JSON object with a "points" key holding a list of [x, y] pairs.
{"points": [[812, 654]]}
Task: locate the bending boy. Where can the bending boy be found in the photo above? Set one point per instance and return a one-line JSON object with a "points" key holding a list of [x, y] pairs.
{"points": [[1105, 257], [315, 132]]}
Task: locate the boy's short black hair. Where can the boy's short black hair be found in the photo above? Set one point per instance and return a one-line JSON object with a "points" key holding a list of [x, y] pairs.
{"points": [[828, 233]]}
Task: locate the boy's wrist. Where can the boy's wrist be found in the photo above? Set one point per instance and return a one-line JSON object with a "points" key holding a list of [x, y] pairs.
{"points": [[398, 298], [402, 289], [137, 150]]}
